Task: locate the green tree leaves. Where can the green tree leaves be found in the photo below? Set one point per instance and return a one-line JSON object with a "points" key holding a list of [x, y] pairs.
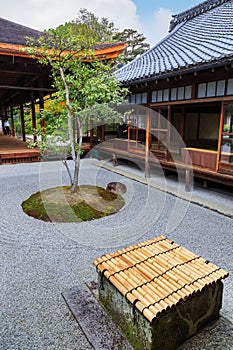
{"points": [[80, 79]]}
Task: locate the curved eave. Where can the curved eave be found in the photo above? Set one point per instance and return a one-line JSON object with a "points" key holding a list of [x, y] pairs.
{"points": [[13, 50], [105, 53], [110, 52], [180, 71]]}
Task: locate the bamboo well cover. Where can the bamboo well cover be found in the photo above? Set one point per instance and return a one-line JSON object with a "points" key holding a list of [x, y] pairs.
{"points": [[157, 274]]}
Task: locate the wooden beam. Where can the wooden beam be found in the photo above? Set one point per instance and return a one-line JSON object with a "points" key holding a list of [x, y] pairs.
{"points": [[189, 102], [28, 88], [15, 72]]}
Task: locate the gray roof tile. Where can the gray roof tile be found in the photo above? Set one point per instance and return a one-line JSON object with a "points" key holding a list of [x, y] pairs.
{"points": [[199, 36], [14, 33]]}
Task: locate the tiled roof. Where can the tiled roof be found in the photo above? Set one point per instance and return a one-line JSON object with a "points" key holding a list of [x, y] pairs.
{"points": [[13, 33], [195, 11], [201, 36], [103, 46], [157, 274], [12, 37]]}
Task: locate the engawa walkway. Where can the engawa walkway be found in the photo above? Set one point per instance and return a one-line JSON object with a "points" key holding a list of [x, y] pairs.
{"points": [[13, 150]]}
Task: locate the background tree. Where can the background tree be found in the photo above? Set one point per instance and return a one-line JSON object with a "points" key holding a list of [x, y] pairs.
{"points": [[136, 44], [105, 31], [101, 29], [81, 81]]}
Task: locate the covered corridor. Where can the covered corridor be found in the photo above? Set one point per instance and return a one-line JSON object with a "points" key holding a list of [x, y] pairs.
{"points": [[14, 150]]}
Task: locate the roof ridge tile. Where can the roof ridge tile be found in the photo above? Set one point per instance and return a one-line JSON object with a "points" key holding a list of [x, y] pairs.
{"points": [[194, 11], [203, 40]]}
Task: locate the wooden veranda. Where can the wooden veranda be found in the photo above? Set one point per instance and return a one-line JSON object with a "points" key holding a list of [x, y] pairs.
{"points": [[14, 150], [137, 153]]}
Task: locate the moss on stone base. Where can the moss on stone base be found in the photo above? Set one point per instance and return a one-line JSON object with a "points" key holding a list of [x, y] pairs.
{"points": [[171, 329]]}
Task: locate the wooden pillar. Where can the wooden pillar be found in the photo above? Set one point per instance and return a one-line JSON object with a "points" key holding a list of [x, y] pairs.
{"points": [[136, 137], [42, 121], [97, 132], [128, 129], [22, 122], [220, 136], [5, 112], [168, 133], [194, 90], [182, 123], [6, 117], [159, 123], [33, 117], [205, 183], [102, 131], [2, 116], [41, 105], [188, 180], [198, 126], [12, 122], [148, 141], [91, 133], [114, 159], [87, 129]]}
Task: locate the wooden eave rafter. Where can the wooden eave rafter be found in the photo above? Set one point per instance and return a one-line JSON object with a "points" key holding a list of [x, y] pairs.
{"points": [[104, 53], [13, 50], [111, 52], [16, 62]]}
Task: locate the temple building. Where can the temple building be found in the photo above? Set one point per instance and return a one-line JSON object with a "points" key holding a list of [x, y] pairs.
{"points": [[186, 81], [26, 83]]}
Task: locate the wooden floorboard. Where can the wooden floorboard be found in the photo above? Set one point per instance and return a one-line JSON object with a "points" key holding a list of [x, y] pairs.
{"points": [[14, 150]]}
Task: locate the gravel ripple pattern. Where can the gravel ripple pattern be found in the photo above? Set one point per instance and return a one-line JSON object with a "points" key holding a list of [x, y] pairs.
{"points": [[39, 260]]}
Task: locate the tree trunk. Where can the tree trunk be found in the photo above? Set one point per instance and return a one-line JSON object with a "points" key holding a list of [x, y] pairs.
{"points": [[70, 116], [77, 160]]}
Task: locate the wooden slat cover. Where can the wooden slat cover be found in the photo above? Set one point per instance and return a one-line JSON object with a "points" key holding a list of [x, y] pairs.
{"points": [[157, 274]]}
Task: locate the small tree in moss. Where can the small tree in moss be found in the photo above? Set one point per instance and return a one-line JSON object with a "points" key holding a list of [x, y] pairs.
{"points": [[81, 81]]}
